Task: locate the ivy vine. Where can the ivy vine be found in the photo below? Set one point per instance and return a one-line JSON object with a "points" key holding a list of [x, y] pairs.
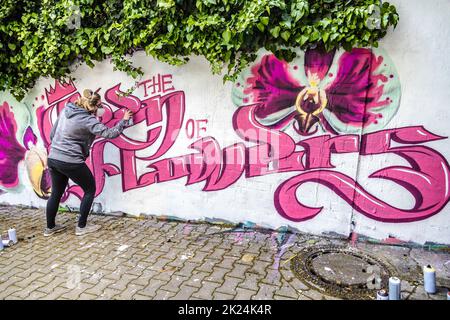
{"points": [[45, 38]]}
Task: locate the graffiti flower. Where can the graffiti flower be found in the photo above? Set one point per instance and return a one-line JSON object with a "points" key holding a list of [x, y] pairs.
{"points": [[344, 92], [11, 152], [36, 165]]}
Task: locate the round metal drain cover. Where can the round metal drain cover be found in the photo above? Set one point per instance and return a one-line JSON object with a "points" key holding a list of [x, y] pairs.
{"points": [[342, 272]]}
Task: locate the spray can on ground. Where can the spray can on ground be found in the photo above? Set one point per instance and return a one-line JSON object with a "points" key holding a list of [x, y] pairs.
{"points": [[429, 279], [1, 243], [12, 235], [7, 243], [394, 288], [382, 295]]}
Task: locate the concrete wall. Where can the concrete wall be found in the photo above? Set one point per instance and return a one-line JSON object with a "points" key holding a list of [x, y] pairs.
{"points": [[329, 143]]}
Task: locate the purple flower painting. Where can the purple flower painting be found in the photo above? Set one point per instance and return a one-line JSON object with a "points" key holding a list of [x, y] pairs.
{"points": [[11, 152], [345, 92]]}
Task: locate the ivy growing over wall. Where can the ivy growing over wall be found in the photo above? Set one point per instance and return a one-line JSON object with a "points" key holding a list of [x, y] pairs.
{"points": [[46, 37]]}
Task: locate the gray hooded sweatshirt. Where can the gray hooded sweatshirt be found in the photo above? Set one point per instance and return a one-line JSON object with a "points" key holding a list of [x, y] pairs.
{"points": [[74, 132]]}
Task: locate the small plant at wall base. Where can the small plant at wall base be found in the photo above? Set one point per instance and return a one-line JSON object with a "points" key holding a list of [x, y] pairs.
{"points": [[46, 37]]}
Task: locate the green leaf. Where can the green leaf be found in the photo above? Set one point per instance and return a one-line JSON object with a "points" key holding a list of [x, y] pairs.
{"points": [[106, 50], [285, 35], [260, 26], [302, 40], [265, 20], [275, 31], [226, 35]]}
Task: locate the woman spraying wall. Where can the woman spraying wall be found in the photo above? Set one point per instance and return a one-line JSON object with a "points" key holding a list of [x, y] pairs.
{"points": [[71, 138]]}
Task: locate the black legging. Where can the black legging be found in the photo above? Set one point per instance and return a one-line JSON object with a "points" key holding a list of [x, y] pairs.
{"points": [[79, 173]]}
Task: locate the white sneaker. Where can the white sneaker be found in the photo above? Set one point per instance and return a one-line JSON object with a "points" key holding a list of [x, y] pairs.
{"points": [[87, 229], [57, 228]]}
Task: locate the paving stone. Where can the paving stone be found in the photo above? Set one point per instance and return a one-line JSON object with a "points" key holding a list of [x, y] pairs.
{"points": [[251, 282], [287, 290], [206, 290], [55, 282], [273, 278], [236, 251], [227, 262], [74, 293], [36, 295], [10, 290], [217, 275], [184, 292], [138, 296], [266, 292], [229, 285], [244, 294], [222, 296], [260, 267], [123, 283], [238, 271], [150, 259], [109, 294], [196, 279], [154, 285], [208, 265], [87, 296], [129, 292], [174, 284], [163, 295], [27, 291], [187, 269], [56, 293], [98, 288], [24, 283], [297, 284]]}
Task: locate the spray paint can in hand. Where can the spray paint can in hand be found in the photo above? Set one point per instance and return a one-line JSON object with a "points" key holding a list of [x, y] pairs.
{"points": [[12, 235], [394, 288], [382, 295], [448, 294], [429, 279]]}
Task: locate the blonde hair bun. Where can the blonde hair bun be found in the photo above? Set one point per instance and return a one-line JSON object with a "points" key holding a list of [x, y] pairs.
{"points": [[87, 93], [88, 100]]}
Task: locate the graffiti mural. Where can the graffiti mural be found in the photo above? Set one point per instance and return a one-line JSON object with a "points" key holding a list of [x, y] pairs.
{"points": [[361, 94], [342, 93], [290, 118]]}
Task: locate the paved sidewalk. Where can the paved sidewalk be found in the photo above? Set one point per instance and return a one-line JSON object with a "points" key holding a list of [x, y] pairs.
{"points": [[132, 258]]}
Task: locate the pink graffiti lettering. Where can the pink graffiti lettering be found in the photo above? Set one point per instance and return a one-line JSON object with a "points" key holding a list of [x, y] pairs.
{"points": [[266, 151], [427, 179]]}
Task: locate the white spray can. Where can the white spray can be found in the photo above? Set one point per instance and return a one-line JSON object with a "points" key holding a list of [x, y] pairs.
{"points": [[7, 243], [429, 279], [1, 244], [12, 235], [382, 295], [448, 294], [394, 288]]}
